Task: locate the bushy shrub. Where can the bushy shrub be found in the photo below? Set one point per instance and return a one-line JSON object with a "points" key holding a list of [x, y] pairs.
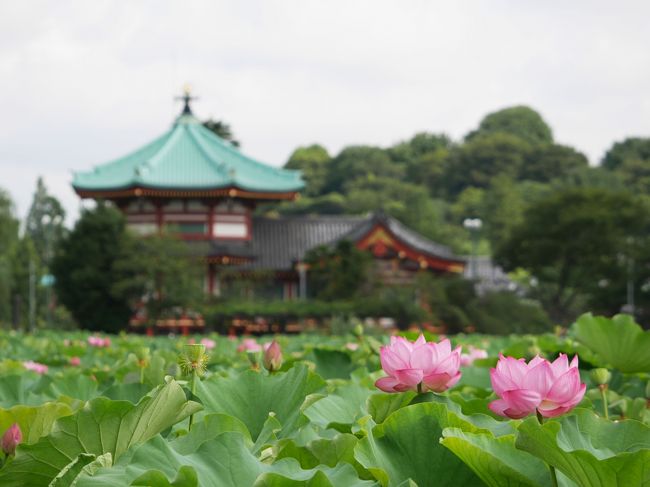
{"points": [[502, 313]]}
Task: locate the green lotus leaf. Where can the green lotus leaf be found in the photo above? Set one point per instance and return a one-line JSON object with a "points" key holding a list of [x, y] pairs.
{"points": [[223, 461], [591, 451], [339, 409], [251, 396], [406, 446], [332, 364], [496, 460], [102, 426], [34, 421], [380, 406], [619, 341]]}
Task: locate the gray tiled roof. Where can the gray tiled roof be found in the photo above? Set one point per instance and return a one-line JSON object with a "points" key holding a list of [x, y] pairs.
{"points": [[278, 243]]}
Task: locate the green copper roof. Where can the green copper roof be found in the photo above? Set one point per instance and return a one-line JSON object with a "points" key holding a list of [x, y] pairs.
{"points": [[188, 156]]}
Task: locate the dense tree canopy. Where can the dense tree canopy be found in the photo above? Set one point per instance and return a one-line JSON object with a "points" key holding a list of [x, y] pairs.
{"points": [[86, 271], [574, 239], [45, 222], [521, 121], [8, 240], [222, 129], [312, 161]]}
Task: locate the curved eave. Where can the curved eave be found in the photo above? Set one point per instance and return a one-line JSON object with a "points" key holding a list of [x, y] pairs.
{"points": [[426, 258], [139, 191]]}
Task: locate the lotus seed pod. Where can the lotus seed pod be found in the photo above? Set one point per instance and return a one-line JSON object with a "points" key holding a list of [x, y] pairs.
{"points": [[601, 376], [193, 359]]}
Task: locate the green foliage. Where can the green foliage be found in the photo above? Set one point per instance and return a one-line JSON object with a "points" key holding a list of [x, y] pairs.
{"points": [[44, 224], [337, 272], [484, 157], [502, 313], [520, 121], [159, 269], [360, 162], [572, 239], [619, 342], [103, 426], [86, 270], [626, 152], [8, 240], [407, 446], [496, 461], [312, 161], [252, 396], [295, 428], [221, 129], [591, 451]]}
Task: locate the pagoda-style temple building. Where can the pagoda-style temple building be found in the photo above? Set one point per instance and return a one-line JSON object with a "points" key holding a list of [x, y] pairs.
{"points": [[203, 187]]}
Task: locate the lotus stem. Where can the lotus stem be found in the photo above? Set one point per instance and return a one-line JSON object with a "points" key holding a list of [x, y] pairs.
{"points": [[603, 394], [554, 483], [193, 379]]}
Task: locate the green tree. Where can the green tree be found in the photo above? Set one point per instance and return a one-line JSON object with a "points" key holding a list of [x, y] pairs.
{"points": [[630, 149], [44, 223], [521, 121], [551, 161], [8, 239], [222, 129], [86, 272], [361, 162], [485, 156], [337, 272], [312, 161], [22, 257], [160, 273], [630, 160], [573, 239]]}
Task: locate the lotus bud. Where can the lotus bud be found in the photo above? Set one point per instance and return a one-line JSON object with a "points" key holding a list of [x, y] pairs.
{"points": [[273, 357], [357, 330], [10, 440], [600, 376], [144, 357], [193, 359]]}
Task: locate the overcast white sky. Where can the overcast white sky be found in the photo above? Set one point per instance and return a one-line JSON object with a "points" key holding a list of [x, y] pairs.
{"points": [[82, 82]]}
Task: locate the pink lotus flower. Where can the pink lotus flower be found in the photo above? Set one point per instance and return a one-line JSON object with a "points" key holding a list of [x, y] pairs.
{"points": [[35, 366], [95, 341], [208, 343], [249, 345], [75, 361], [10, 440], [418, 366], [540, 386], [474, 353], [272, 356]]}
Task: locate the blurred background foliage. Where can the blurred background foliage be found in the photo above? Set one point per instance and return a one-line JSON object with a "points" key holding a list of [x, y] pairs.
{"points": [[574, 236]]}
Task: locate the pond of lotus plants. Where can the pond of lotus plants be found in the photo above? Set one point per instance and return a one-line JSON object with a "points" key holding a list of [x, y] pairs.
{"points": [[79, 409]]}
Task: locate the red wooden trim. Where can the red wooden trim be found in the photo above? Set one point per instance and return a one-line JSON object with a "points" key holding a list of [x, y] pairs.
{"points": [[425, 260], [211, 221], [189, 193]]}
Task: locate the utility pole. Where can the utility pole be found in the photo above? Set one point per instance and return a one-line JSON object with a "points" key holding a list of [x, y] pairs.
{"points": [[32, 295], [474, 226]]}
